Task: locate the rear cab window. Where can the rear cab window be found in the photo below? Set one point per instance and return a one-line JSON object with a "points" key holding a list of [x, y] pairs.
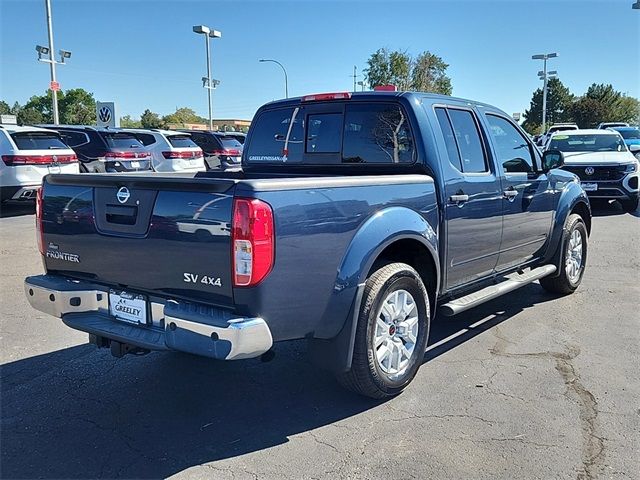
{"points": [[332, 133], [38, 141]]}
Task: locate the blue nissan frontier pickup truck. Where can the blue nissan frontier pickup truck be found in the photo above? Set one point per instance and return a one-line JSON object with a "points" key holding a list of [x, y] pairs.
{"points": [[356, 219]]}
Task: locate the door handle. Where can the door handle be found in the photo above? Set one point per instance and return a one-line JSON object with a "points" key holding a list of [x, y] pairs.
{"points": [[510, 194], [459, 198]]}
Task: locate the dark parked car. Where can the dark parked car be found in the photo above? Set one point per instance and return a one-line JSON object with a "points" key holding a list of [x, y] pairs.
{"points": [[357, 219], [222, 151], [102, 150]]}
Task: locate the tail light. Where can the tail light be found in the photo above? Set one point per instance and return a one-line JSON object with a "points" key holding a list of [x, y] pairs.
{"points": [[327, 96], [13, 160], [39, 231], [232, 152], [187, 155], [252, 235], [127, 155]]}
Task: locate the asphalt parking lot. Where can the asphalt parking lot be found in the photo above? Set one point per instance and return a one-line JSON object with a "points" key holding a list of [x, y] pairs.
{"points": [[526, 386]]}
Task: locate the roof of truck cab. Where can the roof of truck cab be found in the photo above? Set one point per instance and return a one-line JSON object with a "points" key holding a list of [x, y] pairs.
{"points": [[433, 97]]}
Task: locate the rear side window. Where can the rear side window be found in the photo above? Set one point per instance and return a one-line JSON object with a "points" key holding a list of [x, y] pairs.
{"points": [[121, 140], [278, 136], [468, 140], [449, 138], [38, 141], [376, 133], [181, 141]]}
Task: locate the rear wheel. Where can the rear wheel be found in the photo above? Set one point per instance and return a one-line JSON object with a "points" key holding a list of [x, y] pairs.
{"points": [[392, 332], [573, 258]]}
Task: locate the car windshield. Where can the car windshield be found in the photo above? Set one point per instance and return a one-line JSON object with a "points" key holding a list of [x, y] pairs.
{"points": [[38, 141], [181, 141], [587, 143], [121, 140], [630, 134]]}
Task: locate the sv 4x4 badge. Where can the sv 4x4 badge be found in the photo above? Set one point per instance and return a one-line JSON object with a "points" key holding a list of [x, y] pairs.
{"points": [[204, 279]]}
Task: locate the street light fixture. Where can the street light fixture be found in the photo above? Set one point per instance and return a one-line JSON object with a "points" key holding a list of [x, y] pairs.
{"points": [[361, 83], [286, 81], [48, 51], [544, 76], [208, 82]]}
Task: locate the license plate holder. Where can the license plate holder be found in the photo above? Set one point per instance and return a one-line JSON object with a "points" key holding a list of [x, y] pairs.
{"points": [[135, 164], [589, 187], [128, 307]]}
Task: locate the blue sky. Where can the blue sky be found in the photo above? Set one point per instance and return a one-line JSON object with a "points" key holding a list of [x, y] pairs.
{"points": [[142, 54]]}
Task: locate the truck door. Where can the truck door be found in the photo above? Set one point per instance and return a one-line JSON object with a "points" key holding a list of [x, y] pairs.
{"points": [[473, 203], [528, 202]]}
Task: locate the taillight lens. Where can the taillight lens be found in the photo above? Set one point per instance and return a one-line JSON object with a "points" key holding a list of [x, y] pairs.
{"points": [[184, 154], [231, 152], [252, 237], [39, 232], [127, 155], [13, 160]]}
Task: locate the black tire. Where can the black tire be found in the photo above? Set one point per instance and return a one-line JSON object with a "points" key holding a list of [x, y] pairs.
{"points": [[630, 205], [366, 376], [562, 283]]}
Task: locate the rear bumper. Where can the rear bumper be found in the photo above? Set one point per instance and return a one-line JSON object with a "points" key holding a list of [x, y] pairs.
{"points": [[187, 327]]}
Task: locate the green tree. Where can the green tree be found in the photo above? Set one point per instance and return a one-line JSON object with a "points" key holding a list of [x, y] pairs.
{"points": [[424, 73], [181, 116], [77, 107], [128, 122], [559, 101], [603, 103], [150, 119], [5, 108]]}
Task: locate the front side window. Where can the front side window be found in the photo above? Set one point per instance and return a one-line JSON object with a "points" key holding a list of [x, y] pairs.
{"points": [[278, 136], [376, 133], [323, 133], [512, 150], [468, 140]]}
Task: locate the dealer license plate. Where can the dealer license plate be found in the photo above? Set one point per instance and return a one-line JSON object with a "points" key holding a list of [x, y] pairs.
{"points": [[135, 164], [128, 307], [589, 187]]}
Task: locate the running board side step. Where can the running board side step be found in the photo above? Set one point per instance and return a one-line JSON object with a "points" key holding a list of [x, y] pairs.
{"points": [[474, 299]]}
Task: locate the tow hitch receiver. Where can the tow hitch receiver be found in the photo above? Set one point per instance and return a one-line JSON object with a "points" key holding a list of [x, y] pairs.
{"points": [[118, 349]]}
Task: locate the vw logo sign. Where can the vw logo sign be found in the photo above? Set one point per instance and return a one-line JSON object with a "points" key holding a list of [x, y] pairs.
{"points": [[589, 170], [104, 114], [123, 195]]}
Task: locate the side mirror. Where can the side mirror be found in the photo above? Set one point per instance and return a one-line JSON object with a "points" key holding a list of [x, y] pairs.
{"points": [[634, 148], [552, 159]]}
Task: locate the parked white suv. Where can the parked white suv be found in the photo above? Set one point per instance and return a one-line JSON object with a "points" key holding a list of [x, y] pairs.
{"points": [[170, 151], [28, 154], [558, 127]]}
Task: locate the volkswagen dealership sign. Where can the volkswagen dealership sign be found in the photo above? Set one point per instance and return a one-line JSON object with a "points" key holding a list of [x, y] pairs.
{"points": [[106, 115]]}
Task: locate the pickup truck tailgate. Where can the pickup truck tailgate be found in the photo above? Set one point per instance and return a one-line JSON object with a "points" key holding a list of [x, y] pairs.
{"points": [[159, 235]]}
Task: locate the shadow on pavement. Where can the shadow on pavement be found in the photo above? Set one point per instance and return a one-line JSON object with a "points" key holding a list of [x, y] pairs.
{"points": [[79, 413], [17, 209], [609, 209]]}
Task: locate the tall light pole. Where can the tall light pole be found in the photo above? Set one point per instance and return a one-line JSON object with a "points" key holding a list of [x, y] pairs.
{"points": [[286, 81], [544, 57], [209, 84], [50, 51]]}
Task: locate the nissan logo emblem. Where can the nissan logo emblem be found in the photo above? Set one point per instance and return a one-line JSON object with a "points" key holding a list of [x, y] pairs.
{"points": [[123, 195], [589, 170]]}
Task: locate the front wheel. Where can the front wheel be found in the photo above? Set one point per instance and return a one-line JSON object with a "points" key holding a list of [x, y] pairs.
{"points": [[392, 332], [573, 259]]}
